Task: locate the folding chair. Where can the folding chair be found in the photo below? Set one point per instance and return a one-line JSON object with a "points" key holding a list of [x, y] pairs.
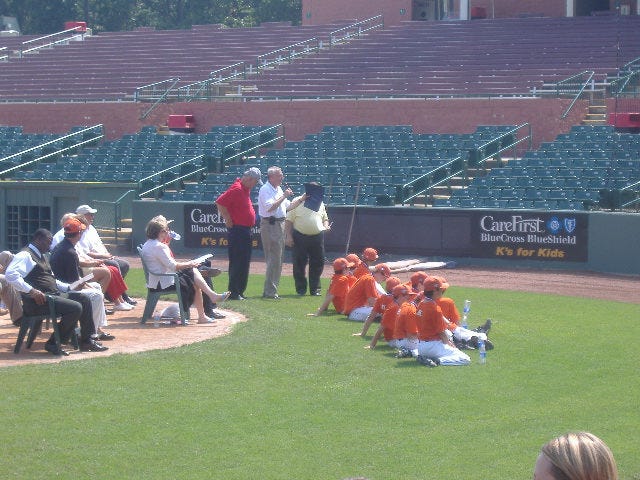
{"points": [[153, 297]]}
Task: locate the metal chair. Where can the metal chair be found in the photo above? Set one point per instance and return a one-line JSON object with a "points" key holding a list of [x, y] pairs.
{"points": [[153, 297]]}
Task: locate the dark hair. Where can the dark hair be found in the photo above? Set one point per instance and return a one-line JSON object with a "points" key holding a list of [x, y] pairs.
{"points": [[40, 233]]}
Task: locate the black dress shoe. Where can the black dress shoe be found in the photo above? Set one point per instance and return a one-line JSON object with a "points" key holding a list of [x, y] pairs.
{"points": [[55, 349], [92, 346], [217, 315], [104, 336], [316, 293]]}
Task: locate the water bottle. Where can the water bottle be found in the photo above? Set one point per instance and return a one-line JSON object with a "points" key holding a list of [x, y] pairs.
{"points": [[156, 319], [482, 351], [465, 313]]}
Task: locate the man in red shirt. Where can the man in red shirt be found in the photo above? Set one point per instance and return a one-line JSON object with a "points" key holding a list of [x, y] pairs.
{"points": [[236, 208]]}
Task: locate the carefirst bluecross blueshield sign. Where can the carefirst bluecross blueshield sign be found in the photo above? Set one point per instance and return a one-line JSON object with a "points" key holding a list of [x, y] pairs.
{"points": [[552, 236], [204, 227]]}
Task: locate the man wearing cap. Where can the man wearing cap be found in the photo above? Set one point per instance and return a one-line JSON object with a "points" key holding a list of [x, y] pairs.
{"points": [[393, 314], [91, 244], [272, 207], [380, 305], [338, 288], [65, 265], [462, 337], [363, 294], [30, 273], [433, 341], [369, 255], [236, 208]]}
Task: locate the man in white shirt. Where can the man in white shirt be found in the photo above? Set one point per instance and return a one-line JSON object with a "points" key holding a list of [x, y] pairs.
{"points": [[92, 245], [272, 207]]}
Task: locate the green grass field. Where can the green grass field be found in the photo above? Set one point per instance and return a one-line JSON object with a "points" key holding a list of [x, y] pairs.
{"points": [[287, 396]]}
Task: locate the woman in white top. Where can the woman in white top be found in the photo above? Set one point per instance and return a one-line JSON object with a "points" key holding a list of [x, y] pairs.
{"points": [[158, 257]]}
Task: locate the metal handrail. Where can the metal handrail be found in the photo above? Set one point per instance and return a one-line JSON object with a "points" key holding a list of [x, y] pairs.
{"points": [[168, 169], [49, 44], [444, 172], [632, 65], [162, 97], [258, 145], [117, 213], [216, 77], [291, 53], [358, 30], [617, 86], [51, 154], [583, 85]]}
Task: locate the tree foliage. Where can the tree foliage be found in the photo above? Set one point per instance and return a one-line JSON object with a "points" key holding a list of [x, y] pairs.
{"points": [[48, 16]]}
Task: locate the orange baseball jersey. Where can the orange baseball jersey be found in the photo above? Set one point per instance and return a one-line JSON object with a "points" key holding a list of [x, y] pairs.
{"points": [[382, 303], [429, 320], [360, 293], [338, 288], [352, 280], [361, 270], [388, 321], [405, 321], [450, 312]]}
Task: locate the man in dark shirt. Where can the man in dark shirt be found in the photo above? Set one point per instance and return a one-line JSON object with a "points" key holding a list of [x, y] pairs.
{"points": [[65, 265], [30, 273]]}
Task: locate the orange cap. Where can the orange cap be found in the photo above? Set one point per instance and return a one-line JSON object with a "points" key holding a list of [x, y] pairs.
{"points": [[353, 258], [73, 225], [430, 284], [391, 283], [443, 283], [370, 254], [402, 289], [418, 277], [382, 268], [339, 264]]}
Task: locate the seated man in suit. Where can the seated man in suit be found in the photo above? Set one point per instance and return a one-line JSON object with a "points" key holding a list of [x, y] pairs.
{"points": [[31, 275]]}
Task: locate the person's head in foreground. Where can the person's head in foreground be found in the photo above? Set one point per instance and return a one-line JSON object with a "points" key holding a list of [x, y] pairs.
{"points": [[575, 456]]}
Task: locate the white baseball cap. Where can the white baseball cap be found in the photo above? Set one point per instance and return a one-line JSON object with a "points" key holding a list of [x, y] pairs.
{"points": [[85, 209]]}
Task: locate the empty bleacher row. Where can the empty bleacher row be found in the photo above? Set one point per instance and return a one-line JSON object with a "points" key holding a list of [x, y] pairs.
{"points": [[566, 174], [356, 164], [110, 66], [459, 57], [134, 157]]}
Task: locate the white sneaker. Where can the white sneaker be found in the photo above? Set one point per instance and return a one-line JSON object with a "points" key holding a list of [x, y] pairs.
{"points": [[122, 307]]}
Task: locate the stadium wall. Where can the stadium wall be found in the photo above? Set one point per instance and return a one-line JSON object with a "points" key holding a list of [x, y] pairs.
{"points": [[301, 117], [318, 12], [597, 241]]}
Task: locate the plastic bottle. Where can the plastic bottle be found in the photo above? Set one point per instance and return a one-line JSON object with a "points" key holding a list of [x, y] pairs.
{"points": [[156, 319], [482, 352], [465, 313]]}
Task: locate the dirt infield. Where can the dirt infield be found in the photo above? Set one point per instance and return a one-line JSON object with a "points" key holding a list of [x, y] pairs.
{"points": [[131, 336]]}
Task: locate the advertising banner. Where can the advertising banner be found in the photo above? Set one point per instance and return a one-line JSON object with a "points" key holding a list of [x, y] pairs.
{"points": [[204, 227], [560, 236]]}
